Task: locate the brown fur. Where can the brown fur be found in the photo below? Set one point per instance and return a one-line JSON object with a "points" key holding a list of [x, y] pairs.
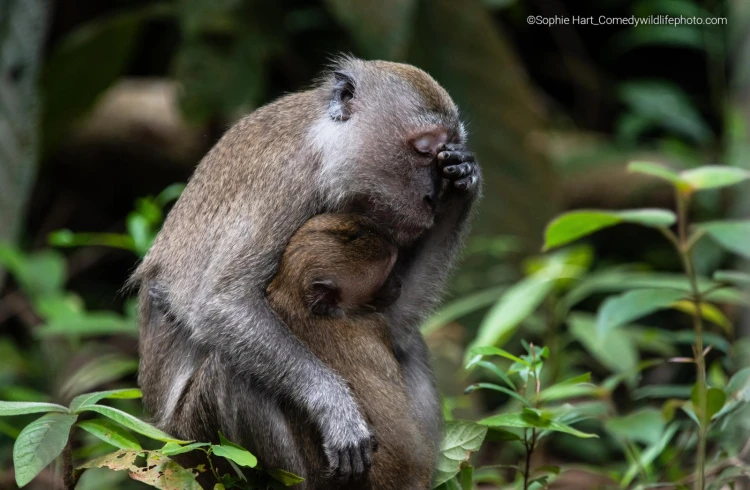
{"points": [[355, 342], [214, 355]]}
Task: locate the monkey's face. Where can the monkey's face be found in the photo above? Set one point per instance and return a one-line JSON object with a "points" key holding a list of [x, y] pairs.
{"points": [[393, 120], [343, 262]]}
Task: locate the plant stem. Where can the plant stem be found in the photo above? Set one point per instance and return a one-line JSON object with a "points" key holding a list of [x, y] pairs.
{"points": [[685, 250], [529, 444], [69, 480]]}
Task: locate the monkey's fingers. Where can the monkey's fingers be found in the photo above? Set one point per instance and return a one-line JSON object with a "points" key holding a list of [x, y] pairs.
{"points": [[456, 172], [466, 184], [449, 157], [345, 465], [358, 461]]}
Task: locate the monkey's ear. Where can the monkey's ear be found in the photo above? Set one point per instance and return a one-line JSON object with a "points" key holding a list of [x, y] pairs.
{"points": [[340, 107], [323, 297]]}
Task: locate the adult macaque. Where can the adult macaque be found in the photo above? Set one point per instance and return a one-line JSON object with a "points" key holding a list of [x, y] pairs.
{"points": [[374, 138]]}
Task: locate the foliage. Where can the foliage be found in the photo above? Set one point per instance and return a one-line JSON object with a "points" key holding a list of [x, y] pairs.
{"points": [[46, 438], [649, 437]]}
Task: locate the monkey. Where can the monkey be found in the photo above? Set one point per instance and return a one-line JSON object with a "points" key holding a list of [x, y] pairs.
{"points": [[375, 138], [334, 279]]}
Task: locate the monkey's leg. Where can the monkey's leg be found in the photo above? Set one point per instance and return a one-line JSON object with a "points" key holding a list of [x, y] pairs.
{"points": [[424, 269]]}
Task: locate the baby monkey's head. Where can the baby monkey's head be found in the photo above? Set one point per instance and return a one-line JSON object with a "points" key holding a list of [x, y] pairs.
{"points": [[339, 263]]}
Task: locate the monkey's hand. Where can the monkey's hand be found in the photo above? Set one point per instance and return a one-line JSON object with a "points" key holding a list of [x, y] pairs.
{"points": [[458, 166], [348, 445]]}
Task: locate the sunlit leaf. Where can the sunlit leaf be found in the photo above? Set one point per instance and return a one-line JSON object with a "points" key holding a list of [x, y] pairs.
{"points": [[708, 312], [576, 224], [39, 443], [713, 176]]}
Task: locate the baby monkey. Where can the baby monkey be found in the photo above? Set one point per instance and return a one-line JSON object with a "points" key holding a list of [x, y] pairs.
{"points": [[334, 278]]}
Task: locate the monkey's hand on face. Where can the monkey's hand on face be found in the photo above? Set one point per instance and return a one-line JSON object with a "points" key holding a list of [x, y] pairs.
{"points": [[457, 164]]}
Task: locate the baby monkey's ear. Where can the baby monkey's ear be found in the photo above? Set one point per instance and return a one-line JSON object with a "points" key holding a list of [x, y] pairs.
{"points": [[323, 297]]}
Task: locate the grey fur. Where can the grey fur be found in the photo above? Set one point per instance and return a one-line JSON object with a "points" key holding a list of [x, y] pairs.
{"points": [[213, 353]]}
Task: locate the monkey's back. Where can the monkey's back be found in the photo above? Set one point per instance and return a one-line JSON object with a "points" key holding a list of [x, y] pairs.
{"points": [[359, 349]]}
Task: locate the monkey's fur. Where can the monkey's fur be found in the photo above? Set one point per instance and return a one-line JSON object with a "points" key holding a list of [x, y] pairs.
{"points": [[333, 277], [377, 138]]}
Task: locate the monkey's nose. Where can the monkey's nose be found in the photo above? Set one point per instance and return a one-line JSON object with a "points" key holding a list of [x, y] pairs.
{"points": [[428, 144], [430, 201]]}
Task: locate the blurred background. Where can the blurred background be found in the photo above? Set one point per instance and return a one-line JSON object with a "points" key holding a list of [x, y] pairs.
{"points": [[106, 108]]}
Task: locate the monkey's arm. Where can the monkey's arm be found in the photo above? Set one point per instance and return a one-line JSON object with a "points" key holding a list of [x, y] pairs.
{"points": [[262, 349], [424, 269]]}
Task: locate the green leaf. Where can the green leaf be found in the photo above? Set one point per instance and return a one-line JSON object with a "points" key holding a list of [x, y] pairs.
{"points": [[234, 452], [110, 433], [654, 170], [715, 399], [573, 387], [466, 477], [140, 229], [132, 423], [623, 309], [88, 323], [732, 235], [92, 398], [645, 426], [23, 408], [39, 443], [713, 176], [285, 477], [487, 350], [524, 420], [66, 238], [242, 457], [502, 389], [515, 305], [615, 350], [708, 312], [576, 224], [173, 449], [734, 277], [461, 307], [649, 455], [460, 439]]}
